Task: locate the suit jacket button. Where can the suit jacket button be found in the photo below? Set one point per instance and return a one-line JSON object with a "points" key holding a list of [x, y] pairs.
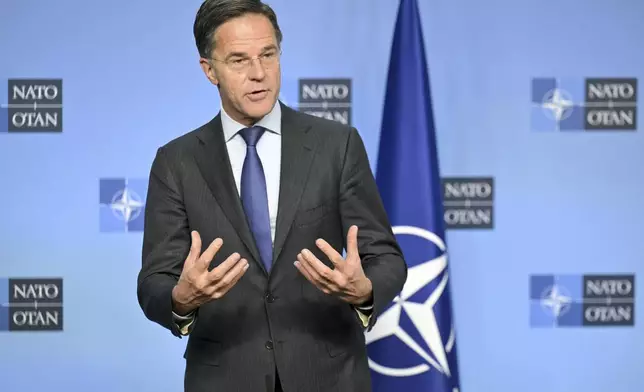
{"points": [[270, 298], [269, 345]]}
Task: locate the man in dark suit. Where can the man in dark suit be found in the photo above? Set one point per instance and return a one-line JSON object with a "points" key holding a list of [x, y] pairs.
{"points": [[245, 224]]}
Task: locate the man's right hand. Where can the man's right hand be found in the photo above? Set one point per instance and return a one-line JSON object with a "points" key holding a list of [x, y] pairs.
{"points": [[197, 285]]}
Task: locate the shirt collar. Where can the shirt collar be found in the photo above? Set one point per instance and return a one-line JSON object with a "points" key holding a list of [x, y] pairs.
{"points": [[271, 122]]}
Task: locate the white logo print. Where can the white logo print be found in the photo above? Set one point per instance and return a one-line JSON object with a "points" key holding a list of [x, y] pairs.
{"points": [[126, 205], [421, 314]]}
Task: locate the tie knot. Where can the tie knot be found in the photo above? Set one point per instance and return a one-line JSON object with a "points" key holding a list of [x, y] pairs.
{"points": [[251, 135]]}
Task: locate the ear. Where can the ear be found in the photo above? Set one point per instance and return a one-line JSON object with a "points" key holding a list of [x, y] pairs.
{"points": [[209, 70]]}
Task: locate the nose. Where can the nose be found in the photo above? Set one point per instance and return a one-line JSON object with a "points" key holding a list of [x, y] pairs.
{"points": [[256, 70]]}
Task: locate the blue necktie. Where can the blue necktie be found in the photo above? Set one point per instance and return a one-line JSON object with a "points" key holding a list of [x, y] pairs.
{"points": [[254, 195]]}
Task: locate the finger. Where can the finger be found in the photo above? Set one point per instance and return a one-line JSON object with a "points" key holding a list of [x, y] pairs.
{"points": [[352, 241], [318, 270], [230, 279], [220, 271], [195, 247], [332, 254], [210, 253], [304, 270]]}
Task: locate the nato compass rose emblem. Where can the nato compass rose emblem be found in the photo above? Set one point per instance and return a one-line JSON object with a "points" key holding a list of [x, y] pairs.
{"points": [[557, 104], [556, 300], [122, 204], [414, 338], [126, 204]]}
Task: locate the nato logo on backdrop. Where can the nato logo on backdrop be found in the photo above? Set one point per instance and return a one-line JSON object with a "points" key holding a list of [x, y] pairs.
{"points": [[31, 304], [577, 104], [326, 98], [122, 204], [468, 202], [582, 301], [32, 105]]}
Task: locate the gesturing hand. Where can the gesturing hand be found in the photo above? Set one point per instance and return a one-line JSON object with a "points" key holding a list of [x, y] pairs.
{"points": [[197, 285], [347, 280]]}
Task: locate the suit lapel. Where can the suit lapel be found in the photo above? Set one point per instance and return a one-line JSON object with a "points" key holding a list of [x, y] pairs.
{"points": [[213, 161], [297, 156]]}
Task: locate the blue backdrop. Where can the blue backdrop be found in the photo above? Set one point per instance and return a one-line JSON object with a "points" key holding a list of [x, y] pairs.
{"points": [[563, 203]]}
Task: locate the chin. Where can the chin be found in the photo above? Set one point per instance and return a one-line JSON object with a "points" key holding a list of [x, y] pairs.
{"points": [[259, 109]]}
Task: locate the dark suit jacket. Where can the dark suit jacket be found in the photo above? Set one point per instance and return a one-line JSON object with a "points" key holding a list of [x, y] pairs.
{"points": [[275, 320]]}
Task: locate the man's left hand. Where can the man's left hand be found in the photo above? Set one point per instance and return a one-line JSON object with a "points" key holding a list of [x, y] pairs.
{"points": [[346, 280]]}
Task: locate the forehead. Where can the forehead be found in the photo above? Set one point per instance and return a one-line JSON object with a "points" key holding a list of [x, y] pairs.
{"points": [[247, 33]]}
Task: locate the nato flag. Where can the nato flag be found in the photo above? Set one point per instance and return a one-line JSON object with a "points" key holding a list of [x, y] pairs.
{"points": [[412, 347]]}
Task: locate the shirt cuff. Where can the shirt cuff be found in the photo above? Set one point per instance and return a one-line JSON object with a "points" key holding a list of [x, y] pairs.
{"points": [[368, 307], [184, 323], [364, 313]]}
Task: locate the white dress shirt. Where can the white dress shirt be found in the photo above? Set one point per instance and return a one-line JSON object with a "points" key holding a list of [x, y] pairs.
{"points": [[269, 148]]}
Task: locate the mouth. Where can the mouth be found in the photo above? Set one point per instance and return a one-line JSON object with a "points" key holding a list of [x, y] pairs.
{"points": [[257, 95]]}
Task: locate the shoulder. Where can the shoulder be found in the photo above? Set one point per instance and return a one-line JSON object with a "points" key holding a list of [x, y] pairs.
{"points": [[187, 142], [327, 130], [335, 141]]}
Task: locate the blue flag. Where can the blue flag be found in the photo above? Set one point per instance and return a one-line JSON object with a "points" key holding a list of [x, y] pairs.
{"points": [[412, 347]]}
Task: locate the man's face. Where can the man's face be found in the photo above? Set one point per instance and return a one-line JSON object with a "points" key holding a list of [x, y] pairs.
{"points": [[246, 67]]}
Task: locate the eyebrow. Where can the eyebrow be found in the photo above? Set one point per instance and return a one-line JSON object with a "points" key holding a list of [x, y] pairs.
{"points": [[242, 54]]}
